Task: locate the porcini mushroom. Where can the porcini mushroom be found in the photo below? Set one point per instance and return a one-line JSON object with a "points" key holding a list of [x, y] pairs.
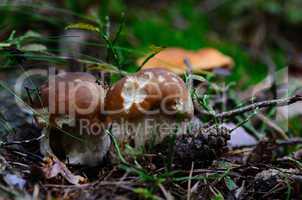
{"points": [[147, 106], [172, 59], [75, 129]]}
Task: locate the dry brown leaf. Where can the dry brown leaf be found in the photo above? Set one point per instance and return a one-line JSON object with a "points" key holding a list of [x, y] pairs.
{"points": [[53, 167], [172, 59]]}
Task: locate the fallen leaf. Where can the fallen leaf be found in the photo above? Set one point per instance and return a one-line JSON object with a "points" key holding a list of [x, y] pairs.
{"points": [[54, 167], [206, 59]]}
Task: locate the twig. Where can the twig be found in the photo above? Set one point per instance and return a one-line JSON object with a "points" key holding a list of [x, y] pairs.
{"points": [[19, 164], [243, 122], [288, 142], [103, 183], [258, 105], [273, 125], [189, 182], [291, 141], [212, 171], [166, 193], [22, 141], [25, 154]]}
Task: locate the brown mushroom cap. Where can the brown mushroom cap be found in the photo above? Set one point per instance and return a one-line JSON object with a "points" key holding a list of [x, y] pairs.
{"points": [[148, 92], [72, 93], [172, 59], [74, 101]]}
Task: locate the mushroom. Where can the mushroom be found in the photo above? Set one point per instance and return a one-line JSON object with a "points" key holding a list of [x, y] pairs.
{"points": [[75, 127], [148, 106], [172, 59]]}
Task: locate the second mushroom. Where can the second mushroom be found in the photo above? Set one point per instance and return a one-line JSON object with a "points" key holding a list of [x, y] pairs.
{"points": [[75, 129], [148, 106]]}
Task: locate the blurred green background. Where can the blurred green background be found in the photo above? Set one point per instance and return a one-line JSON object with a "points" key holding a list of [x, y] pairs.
{"points": [[246, 30]]}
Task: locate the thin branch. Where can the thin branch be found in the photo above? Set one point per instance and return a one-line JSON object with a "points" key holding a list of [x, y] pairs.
{"points": [[25, 154], [281, 133], [258, 105], [189, 182], [22, 141], [291, 141], [288, 142]]}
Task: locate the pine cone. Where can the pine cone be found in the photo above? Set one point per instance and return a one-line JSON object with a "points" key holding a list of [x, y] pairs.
{"points": [[274, 184], [202, 148]]}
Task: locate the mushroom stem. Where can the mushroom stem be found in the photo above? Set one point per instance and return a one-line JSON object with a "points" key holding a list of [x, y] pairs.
{"points": [[44, 143]]}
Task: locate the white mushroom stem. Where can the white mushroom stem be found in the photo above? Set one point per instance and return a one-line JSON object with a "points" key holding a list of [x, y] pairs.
{"points": [[148, 129], [86, 149], [90, 151]]}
